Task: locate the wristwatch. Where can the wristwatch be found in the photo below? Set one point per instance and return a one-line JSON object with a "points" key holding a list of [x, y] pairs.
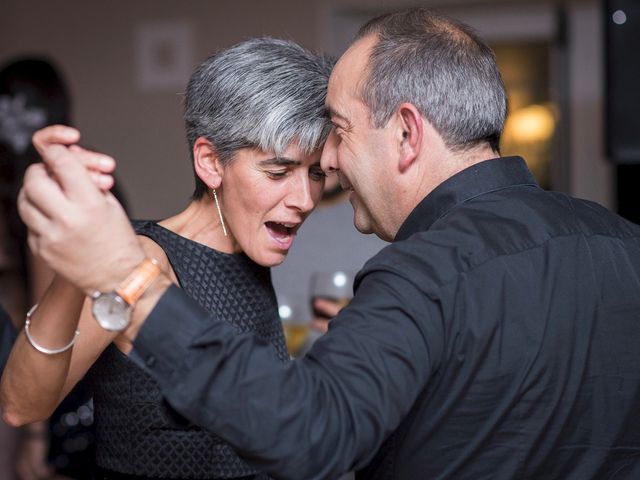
{"points": [[112, 310]]}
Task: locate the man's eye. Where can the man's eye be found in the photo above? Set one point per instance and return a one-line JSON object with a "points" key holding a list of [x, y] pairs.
{"points": [[280, 174]]}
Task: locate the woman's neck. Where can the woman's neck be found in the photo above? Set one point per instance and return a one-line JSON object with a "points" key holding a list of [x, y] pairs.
{"points": [[200, 223]]}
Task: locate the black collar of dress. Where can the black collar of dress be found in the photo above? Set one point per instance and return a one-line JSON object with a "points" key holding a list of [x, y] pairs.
{"points": [[478, 179]]}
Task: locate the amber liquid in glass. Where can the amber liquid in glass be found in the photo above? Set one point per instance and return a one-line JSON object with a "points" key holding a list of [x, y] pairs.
{"points": [[296, 336]]}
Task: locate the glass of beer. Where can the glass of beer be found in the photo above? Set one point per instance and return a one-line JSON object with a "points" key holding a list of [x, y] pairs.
{"points": [[336, 287], [296, 328]]}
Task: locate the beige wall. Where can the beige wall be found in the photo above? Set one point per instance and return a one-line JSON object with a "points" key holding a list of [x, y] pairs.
{"points": [[94, 44]]}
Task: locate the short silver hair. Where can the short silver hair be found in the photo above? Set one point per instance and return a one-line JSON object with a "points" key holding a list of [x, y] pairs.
{"points": [[442, 67], [261, 93]]}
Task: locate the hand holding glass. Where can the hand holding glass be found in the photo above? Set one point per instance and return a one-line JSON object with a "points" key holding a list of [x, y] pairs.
{"points": [[336, 287]]}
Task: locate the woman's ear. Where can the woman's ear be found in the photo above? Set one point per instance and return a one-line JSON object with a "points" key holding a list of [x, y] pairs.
{"points": [[206, 163], [412, 132]]}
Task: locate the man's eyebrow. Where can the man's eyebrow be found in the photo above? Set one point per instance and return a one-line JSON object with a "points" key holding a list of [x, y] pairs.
{"points": [[280, 161]]}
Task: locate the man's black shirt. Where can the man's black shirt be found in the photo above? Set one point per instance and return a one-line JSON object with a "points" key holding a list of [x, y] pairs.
{"points": [[496, 337]]}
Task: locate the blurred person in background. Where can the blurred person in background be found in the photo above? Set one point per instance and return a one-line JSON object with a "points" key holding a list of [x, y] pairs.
{"points": [[7, 446], [33, 94], [7, 336]]}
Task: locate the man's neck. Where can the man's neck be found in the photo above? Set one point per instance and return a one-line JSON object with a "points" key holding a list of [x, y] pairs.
{"points": [[451, 163], [436, 169]]}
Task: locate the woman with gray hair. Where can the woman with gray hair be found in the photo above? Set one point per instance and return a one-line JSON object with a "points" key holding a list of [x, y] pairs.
{"points": [[255, 124]]}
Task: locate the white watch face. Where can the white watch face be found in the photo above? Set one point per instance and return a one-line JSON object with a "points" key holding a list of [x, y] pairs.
{"points": [[111, 311]]}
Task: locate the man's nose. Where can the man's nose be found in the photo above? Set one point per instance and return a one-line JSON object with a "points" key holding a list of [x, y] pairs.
{"points": [[328, 160]]}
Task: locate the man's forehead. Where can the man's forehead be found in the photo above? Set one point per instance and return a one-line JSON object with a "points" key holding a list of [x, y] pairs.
{"points": [[356, 58], [349, 72]]}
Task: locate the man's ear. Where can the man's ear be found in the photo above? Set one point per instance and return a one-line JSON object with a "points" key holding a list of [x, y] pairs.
{"points": [[411, 132], [206, 163]]}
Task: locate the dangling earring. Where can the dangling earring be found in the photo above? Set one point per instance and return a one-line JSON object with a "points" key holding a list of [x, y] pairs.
{"points": [[215, 198]]}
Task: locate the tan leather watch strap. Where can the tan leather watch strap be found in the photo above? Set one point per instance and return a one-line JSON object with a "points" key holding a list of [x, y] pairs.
{"points": [[139, 280]]}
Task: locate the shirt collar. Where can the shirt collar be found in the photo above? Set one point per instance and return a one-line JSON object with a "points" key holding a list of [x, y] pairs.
{"points": [[483, 177]]}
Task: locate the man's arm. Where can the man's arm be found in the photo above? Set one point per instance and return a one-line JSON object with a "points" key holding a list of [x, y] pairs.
{"points": [[312, 418]]}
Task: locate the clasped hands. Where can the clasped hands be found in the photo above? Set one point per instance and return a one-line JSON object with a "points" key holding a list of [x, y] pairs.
{"points": [[74, 223]]}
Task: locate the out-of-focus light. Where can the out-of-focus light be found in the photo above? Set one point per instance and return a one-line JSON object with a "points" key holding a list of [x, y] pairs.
{"points": [[70, 419], [531, 124], [619, 17], [339, 279], [285, 311]]}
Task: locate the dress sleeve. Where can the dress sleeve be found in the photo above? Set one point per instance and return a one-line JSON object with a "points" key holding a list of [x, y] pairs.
{"points": [[312, 418]]}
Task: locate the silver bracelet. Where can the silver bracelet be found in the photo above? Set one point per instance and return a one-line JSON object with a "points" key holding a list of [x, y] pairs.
{"points": [[40, 348]]}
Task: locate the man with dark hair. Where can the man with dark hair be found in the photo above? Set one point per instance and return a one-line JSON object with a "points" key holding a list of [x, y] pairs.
{"points": [[496, 337]]}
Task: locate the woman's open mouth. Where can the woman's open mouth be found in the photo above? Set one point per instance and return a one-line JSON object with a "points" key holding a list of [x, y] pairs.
{"points": [[282, 233]]}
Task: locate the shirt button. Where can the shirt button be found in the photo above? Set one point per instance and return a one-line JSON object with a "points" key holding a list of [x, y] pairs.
{"points": [[151, 361]]}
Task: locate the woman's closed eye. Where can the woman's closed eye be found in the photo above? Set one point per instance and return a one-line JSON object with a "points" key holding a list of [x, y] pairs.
{"points": [[276, 174], [317, 174]]}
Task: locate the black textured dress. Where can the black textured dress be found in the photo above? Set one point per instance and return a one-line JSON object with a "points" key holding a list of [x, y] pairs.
{"points": [[138, 436]]}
